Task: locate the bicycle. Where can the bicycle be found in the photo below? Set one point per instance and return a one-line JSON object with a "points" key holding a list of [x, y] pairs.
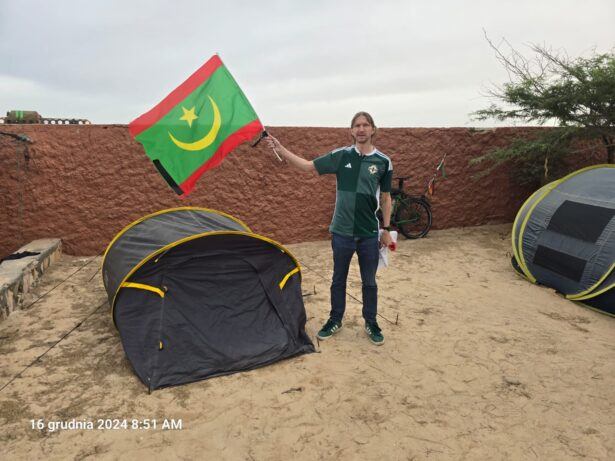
{"points": [[411, 214]]}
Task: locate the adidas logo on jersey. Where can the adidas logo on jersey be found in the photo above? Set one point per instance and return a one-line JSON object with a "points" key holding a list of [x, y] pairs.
{"points": [[348, 165]]}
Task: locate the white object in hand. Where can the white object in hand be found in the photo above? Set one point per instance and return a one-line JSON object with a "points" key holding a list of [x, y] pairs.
{"points": [[383, 259]]}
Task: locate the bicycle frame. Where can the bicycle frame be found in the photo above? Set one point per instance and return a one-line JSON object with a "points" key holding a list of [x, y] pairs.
{"points": [[410, 213], [401, 197]]}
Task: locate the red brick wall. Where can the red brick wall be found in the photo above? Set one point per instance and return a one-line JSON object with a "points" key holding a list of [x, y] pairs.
{"points": [[85, 183]]}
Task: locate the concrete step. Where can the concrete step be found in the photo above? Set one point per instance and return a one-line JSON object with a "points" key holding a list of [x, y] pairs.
{"points": [[17, 276]]}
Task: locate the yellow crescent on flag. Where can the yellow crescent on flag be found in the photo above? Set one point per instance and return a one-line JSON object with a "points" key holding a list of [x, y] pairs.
{"points": [[206, 140]]}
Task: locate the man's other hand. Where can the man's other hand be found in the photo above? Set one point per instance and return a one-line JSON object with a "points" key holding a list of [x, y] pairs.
{"points": [[385, 239]]}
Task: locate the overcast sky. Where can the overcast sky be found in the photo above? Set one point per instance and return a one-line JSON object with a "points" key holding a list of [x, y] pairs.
{"points": [[300, 63]]}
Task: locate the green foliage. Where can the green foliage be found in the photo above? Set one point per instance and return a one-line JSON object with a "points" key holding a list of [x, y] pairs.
{"points": [[577, 95], [535, 158]]}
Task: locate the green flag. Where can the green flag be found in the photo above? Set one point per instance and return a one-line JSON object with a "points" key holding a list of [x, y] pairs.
{"points": [[196, 126]]}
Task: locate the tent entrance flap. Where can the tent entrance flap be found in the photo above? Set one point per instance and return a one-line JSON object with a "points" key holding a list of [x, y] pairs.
{"points": [[217, 319]]}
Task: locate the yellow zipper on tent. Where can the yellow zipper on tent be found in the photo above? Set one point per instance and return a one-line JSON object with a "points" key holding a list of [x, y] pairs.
{"points": [[548, 190], [168, 210], [194, 237], [287, 276], [142, 286]]}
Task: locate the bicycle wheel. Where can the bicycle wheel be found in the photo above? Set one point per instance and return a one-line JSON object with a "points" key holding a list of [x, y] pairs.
{"points": [[413, 218]]}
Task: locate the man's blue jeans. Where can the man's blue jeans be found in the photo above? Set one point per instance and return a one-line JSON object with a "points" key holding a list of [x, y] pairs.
{"points": [[367, 250]]}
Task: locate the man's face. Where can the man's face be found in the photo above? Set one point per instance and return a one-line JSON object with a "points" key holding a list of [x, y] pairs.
{"points": [[361, 130]]}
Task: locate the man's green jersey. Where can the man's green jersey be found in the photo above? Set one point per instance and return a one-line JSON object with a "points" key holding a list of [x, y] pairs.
{"points": [[360, 180]]}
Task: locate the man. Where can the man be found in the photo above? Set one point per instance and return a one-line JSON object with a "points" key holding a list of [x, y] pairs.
{"points": [[363, 174]]}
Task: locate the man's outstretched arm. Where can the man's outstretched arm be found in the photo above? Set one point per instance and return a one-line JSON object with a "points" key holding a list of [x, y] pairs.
{"points": [[294, 160]]}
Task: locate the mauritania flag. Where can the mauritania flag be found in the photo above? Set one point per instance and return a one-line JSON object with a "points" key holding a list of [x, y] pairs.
{"points": [[196, 126]]}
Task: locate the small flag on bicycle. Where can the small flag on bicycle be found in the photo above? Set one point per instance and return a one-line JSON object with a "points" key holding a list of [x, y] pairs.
{"points": [[196, 126], [431, 187], [440, 167]]}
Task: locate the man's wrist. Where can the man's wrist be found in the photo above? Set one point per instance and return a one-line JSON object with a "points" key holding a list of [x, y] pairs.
{"points": [[386, 228]]}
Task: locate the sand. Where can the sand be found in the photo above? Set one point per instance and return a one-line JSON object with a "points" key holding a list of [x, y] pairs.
{"points": [[477, 364]]}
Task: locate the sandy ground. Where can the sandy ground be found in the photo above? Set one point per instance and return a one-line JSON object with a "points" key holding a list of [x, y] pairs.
{"points": [[479, 365]]}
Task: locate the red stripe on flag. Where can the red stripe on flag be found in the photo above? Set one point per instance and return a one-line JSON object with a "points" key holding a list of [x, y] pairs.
{"points": [[249, 131], [180, 93]]}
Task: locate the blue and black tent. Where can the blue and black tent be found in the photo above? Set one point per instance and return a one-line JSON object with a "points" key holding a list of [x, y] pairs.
{"points": [[564, 237], [195, 293]]}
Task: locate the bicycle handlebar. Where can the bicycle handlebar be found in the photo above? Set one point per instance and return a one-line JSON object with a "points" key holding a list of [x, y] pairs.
{"points": [[430, 183], [400, 181]]}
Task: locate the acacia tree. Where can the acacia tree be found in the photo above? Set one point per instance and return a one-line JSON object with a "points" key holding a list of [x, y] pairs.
{"points": [[575, 94]]}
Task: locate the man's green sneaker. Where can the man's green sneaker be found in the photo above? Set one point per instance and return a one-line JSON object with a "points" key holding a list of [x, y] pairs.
{"points": [[329, 329], [375, 333]]}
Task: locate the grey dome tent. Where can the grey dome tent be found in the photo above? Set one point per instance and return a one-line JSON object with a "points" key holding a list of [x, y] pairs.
{"points": [[194, 293], [564, 237]]}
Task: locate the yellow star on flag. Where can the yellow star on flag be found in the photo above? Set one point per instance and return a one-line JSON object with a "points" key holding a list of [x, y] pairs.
{"points": [[189, 116]]}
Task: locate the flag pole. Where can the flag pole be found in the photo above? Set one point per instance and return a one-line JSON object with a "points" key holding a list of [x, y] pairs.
{"points": [[265, 134]]}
